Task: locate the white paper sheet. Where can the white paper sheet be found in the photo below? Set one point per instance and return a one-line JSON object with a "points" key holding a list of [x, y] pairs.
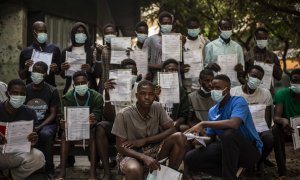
{"points": [[41, 56], [195, 60], [171, 46], [295, 123], [169, 84], [122, 90], [75, 61], [258, 116], [165, 173], [119, 45], [227, 62], [77, 123], [200, 139], [17, 137], [268, 76], [141, 59]]}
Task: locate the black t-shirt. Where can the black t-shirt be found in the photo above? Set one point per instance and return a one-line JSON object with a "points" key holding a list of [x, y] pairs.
{"points": [[23, 113], [42, 100], [49, 48]]}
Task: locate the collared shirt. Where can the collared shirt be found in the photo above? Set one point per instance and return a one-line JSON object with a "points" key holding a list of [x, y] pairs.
{"points": [[49, 48]]}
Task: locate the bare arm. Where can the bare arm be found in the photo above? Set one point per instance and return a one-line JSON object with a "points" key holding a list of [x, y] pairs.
{"points": [[49, 119]]}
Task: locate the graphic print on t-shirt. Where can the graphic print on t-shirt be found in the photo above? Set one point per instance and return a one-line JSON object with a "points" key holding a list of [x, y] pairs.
{"points": [[40, 107]]}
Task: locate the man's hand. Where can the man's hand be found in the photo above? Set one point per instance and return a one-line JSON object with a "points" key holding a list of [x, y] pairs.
{"points": [[54, 67], [62, 124], [28, 63], [151, 163], [65, 66], [100, 47], [92, 119], [214, 66], [197, 129], [134, 143], [86, 67], [38, 128], [287, 127], [109, 84], [33, 138], [2, 139], [238, 68]]}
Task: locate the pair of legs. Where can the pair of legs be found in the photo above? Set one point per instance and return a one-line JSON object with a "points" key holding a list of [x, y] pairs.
{"points": [[223, 158], [65, 149], [279, 148], [103, 136], [22, 165], [46, 145], [173, 148]]}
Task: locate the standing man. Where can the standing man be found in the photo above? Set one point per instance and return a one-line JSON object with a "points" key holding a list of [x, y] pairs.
{"points": [[195, 41], [145, 134], [224, 45], [21, 165], [287, 105], [233, 142], [39, 31], [44, 99]]}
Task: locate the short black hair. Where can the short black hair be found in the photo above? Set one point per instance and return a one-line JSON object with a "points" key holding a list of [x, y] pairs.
{"points": [[127, 61], [207, 72], [145, 83], [295, 71], [224, 19], [109, 25], [80, 73], [223, 77], [42, 64], [141, 23], [256, 67], [15, 82], [260, 29], [164, 14], [169, 61], [192, 19]]}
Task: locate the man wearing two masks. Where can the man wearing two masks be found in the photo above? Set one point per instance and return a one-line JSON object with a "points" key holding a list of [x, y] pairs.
{"points": [[224, 45], [287, 105], [258, 95], [44, 99], [234, 141], [39, 43]]}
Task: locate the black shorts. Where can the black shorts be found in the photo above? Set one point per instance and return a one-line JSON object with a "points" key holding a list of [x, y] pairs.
{"points": [[107, 126]]}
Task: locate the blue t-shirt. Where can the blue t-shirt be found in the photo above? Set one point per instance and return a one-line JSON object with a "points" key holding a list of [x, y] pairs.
{"points": [[236, 107]]}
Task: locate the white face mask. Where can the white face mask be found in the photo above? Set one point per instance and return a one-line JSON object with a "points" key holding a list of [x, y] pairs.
{"points": [[37, 78], [226, 34], [81, 89], [253, 83], [261, 44], [42, 37], [295, 88], [16, 101], [167, 28], [194, 32], [107, 38], [217, 95], [141, 37], [80, 38], [205, 92]]}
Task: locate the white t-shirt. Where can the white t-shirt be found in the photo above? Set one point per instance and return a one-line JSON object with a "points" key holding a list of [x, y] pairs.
{"points": [[78, 50], [260, 95]]}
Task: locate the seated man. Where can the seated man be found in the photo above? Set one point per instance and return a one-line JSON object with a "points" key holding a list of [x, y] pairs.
{"points": [[233, 140], [81, 95], [200, 100], [44, 99], [179, 111], [257, 95], [287, 105], [145, 134], [20, 165]]}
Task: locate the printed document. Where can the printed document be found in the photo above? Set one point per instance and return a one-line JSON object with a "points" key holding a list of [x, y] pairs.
{"points": [[171, 46], [75, 61]]}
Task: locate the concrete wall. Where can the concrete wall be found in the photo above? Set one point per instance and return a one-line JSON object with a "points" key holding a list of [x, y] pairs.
{"points": [[13, 26]]}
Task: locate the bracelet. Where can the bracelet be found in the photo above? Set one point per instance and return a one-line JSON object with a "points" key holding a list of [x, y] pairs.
{"points": [[107, 101]]}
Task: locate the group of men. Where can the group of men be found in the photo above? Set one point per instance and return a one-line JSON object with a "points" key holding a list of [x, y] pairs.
{"points": [[144, 130]]}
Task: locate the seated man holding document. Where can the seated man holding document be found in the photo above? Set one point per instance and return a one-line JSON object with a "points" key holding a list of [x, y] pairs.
{"points": [[19, 158], [81, 110], [260, 102], [145, 134], [234, 141]]}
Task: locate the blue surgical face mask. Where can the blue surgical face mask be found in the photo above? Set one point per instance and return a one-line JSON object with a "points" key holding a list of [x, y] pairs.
{"points": [[37, 78], [42, 37], [80, 38], [107, 38], [141, 37], [194, 32], [226, 34], [253, 83], [81, 89], [295, 88], [217, 95], [167, 28], [17, 101], [261, 44]]}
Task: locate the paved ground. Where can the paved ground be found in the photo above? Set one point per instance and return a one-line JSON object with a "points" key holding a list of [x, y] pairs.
{"points": [[81, 169]]}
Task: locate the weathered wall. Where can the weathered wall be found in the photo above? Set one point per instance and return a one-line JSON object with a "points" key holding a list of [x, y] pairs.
{"points": [[13, 25]]}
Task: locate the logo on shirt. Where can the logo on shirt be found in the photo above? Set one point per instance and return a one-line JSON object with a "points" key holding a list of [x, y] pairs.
{"points": [[39, 106]]}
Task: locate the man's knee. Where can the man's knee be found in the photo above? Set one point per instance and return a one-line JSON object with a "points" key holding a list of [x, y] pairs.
{"points": [[134, 169], [46, 135], [37, 159], [179, 138], [100, 132], [268, 139]]}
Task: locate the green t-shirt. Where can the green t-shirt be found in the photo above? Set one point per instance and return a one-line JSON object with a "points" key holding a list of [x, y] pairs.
{"points": [[291, 107]]}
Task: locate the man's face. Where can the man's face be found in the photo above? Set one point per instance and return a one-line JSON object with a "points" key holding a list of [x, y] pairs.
{"points": [[17, 90], [166, 21], [256, 74], [260, 35], [110, 31], [193, 25], [133, 69], [141, 30], [295, 79], [225, 25], [171, 68], [80, 80], [39, 28], [205, 81], [145, 96], [220, 85]]}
